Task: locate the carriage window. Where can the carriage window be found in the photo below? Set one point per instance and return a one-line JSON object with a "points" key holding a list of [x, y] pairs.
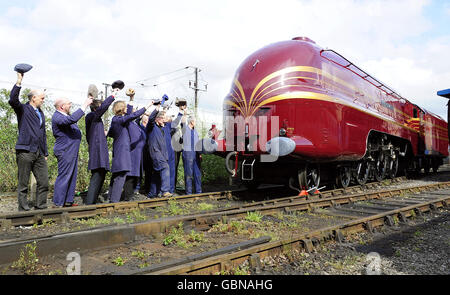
{"points": [[415, 113]]}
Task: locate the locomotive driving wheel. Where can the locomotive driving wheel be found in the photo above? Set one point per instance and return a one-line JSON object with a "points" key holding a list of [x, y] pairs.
{"points": [[426, 166], [380, 167], [309, 176], [393, 167], [344, 176], [435, 166], [362, 172]]}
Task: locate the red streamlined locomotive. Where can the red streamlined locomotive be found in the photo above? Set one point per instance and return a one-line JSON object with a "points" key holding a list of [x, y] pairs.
{"points": [[334, 122]]}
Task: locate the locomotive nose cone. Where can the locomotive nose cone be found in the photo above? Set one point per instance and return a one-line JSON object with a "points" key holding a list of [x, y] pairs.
{"points": [[280, 146]]}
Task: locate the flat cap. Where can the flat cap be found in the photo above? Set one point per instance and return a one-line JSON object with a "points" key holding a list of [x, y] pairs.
{"points": [[180, 102], [22, 68], [118, 84], [93, 91]]}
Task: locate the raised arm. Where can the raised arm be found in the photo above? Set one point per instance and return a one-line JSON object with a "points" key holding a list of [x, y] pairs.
{"points": [[151, 121], [69, 120], [14, 96], [128, 118], [176, 122], [104, 106]]}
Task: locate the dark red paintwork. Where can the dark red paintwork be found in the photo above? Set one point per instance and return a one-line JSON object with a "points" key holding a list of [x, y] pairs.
{"points": [[328, 109]]}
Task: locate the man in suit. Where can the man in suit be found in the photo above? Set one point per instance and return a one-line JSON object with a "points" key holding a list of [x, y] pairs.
{"points": [[67, 143], [31, 146], [98, 147]]}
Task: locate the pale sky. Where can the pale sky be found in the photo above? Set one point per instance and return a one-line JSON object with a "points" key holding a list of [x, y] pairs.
{"points": [[71, 44]]}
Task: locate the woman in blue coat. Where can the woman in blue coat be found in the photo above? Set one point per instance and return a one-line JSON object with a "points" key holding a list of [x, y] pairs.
{"points": [[138, 139], [98, 148], [121, 163]]}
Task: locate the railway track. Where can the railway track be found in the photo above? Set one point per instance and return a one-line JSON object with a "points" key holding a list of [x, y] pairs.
{"points": [[438, 196], [65, 215], [381, 213]]}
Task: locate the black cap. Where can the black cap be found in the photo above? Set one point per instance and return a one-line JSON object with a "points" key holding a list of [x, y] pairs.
{"points": [[118, 84], [22, 68]]}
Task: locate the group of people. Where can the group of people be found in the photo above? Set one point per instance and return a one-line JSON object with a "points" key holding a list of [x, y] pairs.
{"points": [[146, 142]]}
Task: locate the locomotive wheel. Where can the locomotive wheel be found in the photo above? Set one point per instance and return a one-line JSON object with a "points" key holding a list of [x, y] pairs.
{"points": [[362, 173], [426, 166], [380, 167], [435, 166], [418, 163], [309, 176], [393, 167], [344, 176]]}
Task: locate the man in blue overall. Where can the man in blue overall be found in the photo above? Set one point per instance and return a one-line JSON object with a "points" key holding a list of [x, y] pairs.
{"points": [[191, 158], [67, 143], [169, 130], [160, 158]]}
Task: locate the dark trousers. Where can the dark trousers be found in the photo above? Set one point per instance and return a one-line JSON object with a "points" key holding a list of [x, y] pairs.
{"points": [[172, 172], [147, 167], [36, 163], [116, 186], [128, 187], [95, 186]]}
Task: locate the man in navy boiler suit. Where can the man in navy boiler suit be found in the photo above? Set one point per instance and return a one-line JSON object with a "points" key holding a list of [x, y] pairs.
{"points": [[67, 143]]}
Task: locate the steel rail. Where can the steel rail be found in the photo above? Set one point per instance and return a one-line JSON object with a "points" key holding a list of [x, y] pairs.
{"points": [[64, 215], [112, 235], [226, 262]]}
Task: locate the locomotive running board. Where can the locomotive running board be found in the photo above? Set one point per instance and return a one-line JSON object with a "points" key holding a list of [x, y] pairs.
{"points": [[245, 167]]}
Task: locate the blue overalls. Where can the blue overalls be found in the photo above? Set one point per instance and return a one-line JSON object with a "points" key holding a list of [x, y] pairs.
{"points": [[191, 161]]}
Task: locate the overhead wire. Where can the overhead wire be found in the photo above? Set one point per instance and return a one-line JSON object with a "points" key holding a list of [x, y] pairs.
{"points": [[162, 75], [164, 82]]}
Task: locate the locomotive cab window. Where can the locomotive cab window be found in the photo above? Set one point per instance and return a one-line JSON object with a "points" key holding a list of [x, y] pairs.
{"points": [[415, 113]]}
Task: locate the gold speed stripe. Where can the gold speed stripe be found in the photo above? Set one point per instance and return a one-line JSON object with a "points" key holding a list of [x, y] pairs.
{"points": [[324, 97]]}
